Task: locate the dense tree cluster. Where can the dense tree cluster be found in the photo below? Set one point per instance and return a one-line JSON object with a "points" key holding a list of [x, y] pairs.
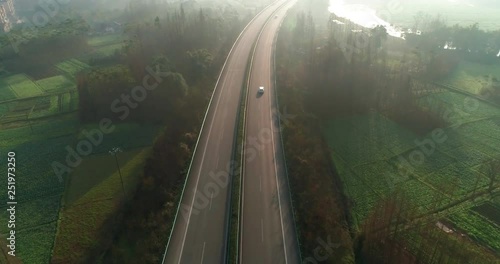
{"points": [[469, 42]]}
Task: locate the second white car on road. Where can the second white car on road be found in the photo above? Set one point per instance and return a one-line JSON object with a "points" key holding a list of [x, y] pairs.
{"points": [[261, 89]]}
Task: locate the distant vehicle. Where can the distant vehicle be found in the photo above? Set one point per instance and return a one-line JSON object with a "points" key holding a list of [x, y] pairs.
{"points": [[261, 89], [275, 16]]}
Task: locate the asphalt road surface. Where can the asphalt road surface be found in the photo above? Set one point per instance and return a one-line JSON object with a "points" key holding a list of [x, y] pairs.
{"points": [[200, 231], [267, 225]]}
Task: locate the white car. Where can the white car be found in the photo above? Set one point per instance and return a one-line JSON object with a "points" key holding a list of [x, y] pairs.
{"points": [[261, 89]]}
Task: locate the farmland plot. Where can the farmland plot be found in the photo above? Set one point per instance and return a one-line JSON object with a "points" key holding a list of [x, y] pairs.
{"points": [[120, 137], [108, 50], [39, 201], [105, 40], [373, 155], [39, 130], [86, 211], [5, 92], [490, 211], [55, 84], [22, 86], [72, 67], [477, 227]]}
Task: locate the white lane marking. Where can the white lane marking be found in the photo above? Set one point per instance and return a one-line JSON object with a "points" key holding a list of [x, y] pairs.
{"points": [[276, 174], [202, 253], [260, 183], [211, 198], [201, 166], [262, 228], [245, 126]]}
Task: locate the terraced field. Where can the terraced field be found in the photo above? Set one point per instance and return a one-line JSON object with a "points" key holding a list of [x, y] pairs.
{"points": [[18, 86]]}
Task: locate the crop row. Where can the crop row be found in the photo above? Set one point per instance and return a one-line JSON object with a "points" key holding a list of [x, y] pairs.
{"points": [[490, 211], [477, 227], [38, 130], [34, 159]]}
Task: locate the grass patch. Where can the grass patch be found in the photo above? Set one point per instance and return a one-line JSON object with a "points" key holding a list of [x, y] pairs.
{"points": [[143, 135], [108, 50], [88, 213], [22, 86], [105, 40], [94, 170]]}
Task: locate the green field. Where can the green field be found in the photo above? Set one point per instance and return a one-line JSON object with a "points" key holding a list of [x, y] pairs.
{"points": [[72, 67], [108, 50], [93, 194], [38, 107], [35, 190], [477, 227], [368, 152], [55, 84], [95, 179], [105, 40], [20, 85], [39, 130]]}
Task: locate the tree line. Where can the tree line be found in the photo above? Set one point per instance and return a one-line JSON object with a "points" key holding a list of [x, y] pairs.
{"points": [[139, 231]]}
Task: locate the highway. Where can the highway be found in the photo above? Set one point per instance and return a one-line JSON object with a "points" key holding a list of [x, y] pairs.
{"points": [[200, 229], [267, 224]]}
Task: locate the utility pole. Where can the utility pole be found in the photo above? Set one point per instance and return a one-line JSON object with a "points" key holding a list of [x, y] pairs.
{"points": [[113, 152]]}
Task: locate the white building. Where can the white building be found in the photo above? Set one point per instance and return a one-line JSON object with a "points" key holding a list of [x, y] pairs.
{"points": [[7, 15]]}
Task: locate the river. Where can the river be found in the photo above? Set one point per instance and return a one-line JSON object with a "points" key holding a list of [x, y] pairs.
{"points": [[362, 15]]}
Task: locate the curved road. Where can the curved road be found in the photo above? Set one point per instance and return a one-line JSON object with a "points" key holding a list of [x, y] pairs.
{"points": [[267, 225], [200, 230]]}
